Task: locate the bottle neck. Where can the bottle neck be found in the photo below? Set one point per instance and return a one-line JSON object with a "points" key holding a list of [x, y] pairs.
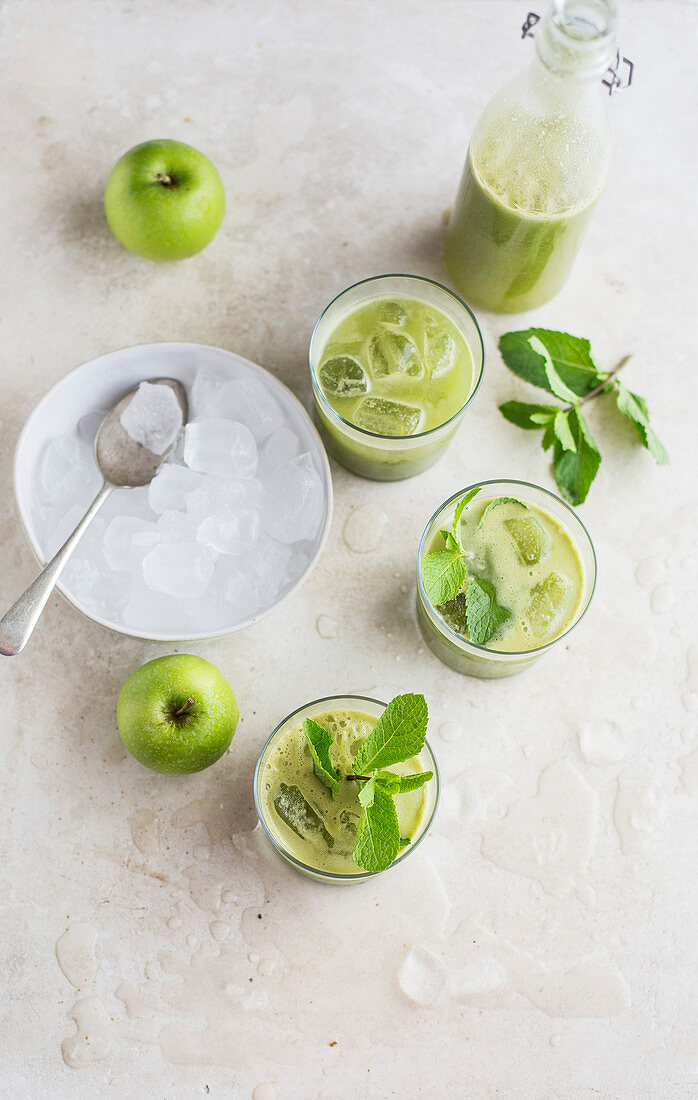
{"points": [[576, 39]]}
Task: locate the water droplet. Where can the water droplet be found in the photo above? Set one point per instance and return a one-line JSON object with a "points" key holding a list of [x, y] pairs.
{"points": [[145, 830], [75, 953], [450, 731], [549, 836], [39, 760], [689, 772], [219, 930], [264, 1091], [555, 1040], [93, 1039], [662, 598], [649, 571], [327, 627], [638, 812], [364, 528], [174, 923], [601, 743], [202, 852], [253, 957], [422, 975], [192, 941]]}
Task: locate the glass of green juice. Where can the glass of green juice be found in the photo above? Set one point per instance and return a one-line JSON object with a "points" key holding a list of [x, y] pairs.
{"points": [[312, 832], [532, 553], [395, 360]]}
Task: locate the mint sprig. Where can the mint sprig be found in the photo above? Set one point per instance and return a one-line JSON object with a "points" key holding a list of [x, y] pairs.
{"points": [[444, 573], [397, 736], [563, 366], [319, 741]]}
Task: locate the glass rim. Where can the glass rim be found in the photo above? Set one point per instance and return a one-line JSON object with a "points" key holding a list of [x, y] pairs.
{"points": [[317, 388], [459, 639], [360, 875]]}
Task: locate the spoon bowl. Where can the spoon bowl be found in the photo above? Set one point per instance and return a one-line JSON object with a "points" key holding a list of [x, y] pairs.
{"points": [[124, 463]]}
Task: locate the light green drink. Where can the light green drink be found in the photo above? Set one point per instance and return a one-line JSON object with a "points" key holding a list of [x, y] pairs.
{"points": [[394, 362], [505, 256], [535, 558], [310, 829]]}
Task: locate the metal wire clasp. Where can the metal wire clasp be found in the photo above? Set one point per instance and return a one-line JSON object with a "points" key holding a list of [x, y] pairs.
{"points": [[613, 80], [527, 27]]}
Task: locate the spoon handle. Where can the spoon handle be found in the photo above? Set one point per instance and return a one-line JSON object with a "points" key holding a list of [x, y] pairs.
{"points": [[17, 624]]}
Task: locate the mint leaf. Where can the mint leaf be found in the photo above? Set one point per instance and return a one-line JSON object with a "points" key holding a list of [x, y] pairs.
{"points": [[451, 541], [484, 615], [562, 432], [443, 574], [575, 470], [401, 784], [398, 734], [453, 612], [531, 354], [404, 841], [460, 506], [495, 503], [378, 833], [527, 416], [319, 742], [635, 408], [555, 383], [548, 436]]}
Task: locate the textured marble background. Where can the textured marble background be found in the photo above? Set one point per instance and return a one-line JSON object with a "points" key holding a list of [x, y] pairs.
{"points": [[542, 943]]}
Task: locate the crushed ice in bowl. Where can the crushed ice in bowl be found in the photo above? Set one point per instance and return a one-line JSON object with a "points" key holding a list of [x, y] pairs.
{"points": [[221, 533]]}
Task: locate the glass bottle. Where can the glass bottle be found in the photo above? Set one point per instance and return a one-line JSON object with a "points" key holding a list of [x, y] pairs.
{"points": [[537, 162]]}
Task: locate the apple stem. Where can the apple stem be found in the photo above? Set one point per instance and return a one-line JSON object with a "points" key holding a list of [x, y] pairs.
{"points": [[166, 181], [184, 709]]}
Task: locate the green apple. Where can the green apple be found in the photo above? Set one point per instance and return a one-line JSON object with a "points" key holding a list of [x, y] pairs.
{"points": [[164, 200], [177, 714]]}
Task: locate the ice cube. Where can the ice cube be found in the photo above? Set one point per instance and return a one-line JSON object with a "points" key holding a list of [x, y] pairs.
{"points": [[394, 353], [292, 501], [392, 313], [67, 473], [183, 570], [230, 532], [153, 417], [81, 576], [343, 376], [251, 402], [240, 592], [152, 612], [204, 396], [222, 447], [88, 425], [127, 540], [269, 562], [548, 606], [384, 417], [295, 810], [170, 485], [439, 348], [216, 495], [176, 527], [296, 566], [280, 447], [59, 526], [532, 540]]}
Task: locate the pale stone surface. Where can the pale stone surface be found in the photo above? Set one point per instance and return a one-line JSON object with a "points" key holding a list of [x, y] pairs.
{"points": [[151, 943]]}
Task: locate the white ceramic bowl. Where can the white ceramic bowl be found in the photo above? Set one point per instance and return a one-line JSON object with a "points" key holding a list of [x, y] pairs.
{"points": [[98, 385]]}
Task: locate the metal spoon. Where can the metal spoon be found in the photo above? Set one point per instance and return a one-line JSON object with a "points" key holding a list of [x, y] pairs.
{"points": [[125, 464]]}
